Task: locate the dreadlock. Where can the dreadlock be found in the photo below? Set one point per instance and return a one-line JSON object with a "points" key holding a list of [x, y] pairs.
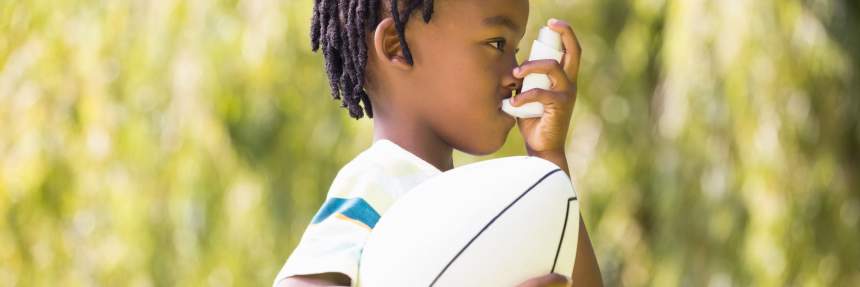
{"points": [[339, 27]]}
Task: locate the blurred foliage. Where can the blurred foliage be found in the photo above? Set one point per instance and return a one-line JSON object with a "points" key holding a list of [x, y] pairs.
{"points": [[162, 143]]}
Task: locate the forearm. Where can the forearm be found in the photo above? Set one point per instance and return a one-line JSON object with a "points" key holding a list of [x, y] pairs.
{"points": [[586, 271]]}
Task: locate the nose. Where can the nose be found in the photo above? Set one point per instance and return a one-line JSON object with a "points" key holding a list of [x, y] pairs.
{"points": [[508, 80]]}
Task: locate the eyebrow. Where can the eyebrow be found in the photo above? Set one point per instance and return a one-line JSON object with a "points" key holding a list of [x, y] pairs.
{"points": [[502, 20]]}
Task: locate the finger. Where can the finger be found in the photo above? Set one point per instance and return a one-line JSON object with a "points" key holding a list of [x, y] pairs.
{"points": [[550, 67], [542, 96], [573, 50], [545, 280]]}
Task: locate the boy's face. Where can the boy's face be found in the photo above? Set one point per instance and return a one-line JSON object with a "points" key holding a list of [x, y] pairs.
{"points": [[463, 63]]}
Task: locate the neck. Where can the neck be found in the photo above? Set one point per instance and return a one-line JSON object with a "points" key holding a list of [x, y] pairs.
{"points": [[415, 137]]}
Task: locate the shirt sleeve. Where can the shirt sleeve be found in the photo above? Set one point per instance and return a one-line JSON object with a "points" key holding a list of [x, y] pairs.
{"points": [[331, 245], [336, 235]]}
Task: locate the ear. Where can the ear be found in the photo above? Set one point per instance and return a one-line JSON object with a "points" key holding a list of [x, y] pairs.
{"points": [[386, 45]]}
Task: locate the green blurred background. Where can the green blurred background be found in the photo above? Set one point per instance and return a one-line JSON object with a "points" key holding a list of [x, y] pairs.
{"points": [[188, 143]]}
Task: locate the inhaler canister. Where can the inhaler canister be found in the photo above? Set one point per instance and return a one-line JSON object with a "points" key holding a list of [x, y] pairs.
{"points": [[547, 46]]}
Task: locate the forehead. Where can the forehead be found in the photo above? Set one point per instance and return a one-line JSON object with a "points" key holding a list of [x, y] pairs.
{"points": [[463, 14]]}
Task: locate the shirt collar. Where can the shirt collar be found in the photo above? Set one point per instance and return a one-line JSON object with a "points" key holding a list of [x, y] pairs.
{"points": [[424, 165]]}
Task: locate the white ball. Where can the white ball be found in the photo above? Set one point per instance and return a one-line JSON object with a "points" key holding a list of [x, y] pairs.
{"points": [[493, 223]]}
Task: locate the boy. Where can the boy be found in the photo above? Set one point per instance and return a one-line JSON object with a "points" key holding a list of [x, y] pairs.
{"points": [[436, 88]]}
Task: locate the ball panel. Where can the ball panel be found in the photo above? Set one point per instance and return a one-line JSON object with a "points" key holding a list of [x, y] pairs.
{"points": [[566, 253], [520, 242], [429, 225]]}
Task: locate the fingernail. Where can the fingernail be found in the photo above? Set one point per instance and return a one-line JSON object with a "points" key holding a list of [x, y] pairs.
{"points": [[552, 21], [517, 71]]}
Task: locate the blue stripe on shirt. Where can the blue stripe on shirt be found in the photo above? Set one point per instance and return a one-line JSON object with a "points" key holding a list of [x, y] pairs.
{"points": [[353, 208]]}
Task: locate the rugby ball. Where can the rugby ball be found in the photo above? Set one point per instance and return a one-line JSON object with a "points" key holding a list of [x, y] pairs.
{"points": [[492, 223]]}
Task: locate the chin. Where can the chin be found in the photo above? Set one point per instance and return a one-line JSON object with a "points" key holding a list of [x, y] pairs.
{"points": [[486, 145], [485, 140]]}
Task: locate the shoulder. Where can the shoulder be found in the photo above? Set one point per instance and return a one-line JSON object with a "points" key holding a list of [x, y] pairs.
{"points": [[359, 177], [363, 184], [380, 175]]}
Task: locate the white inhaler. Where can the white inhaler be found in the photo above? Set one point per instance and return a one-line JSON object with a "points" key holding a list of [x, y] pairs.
{"points": [[547, 46]]}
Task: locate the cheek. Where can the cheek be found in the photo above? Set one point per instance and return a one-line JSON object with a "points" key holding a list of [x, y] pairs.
{"points": [[478, 77], [463, 79]]}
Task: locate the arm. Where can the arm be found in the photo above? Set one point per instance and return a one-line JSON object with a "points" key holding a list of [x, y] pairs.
{"points": [[586, 272]]}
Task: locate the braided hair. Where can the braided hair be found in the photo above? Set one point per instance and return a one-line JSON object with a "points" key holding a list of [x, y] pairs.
{"points": [[339, 27]]}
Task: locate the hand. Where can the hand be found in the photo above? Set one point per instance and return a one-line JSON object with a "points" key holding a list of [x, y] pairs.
{"points": [[552, 279], [330, 279], [546, 135]]}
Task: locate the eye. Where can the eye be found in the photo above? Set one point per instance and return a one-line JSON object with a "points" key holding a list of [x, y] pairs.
{"points": [[498, 44]]}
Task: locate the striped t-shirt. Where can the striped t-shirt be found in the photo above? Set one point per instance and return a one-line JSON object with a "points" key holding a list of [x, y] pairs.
{"points": [[360, 193]]}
